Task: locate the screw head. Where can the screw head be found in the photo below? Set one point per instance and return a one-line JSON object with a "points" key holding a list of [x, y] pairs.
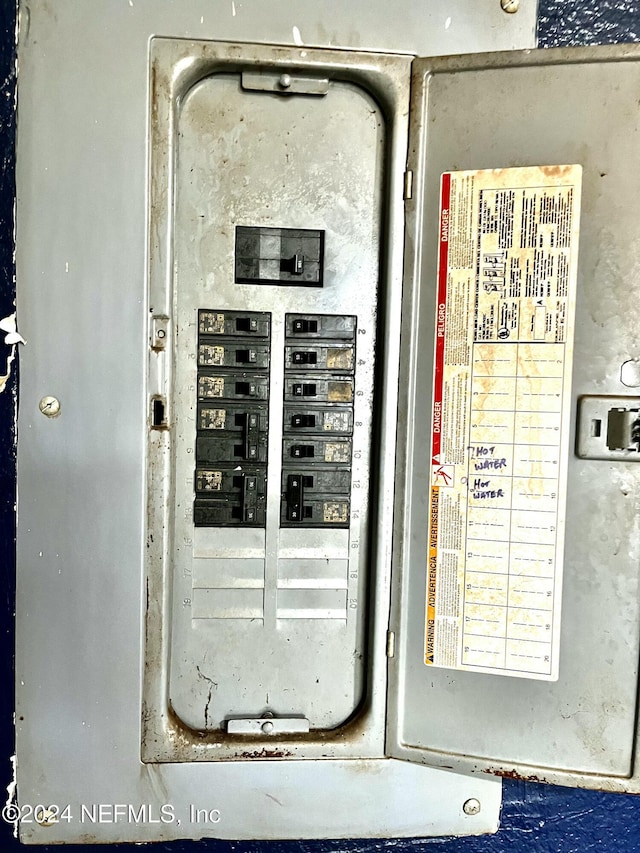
{"points": [[285, 81], [471, 806], [267, 727], [510, 6], [46, 816], [49, 406]]}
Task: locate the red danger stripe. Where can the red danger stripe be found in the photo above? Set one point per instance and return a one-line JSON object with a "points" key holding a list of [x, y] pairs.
{"points": [[441, 311]]}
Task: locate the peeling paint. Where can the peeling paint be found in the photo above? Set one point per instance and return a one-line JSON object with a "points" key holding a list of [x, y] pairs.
{"points": [[10, 811], [12, 338], [297, 37]]}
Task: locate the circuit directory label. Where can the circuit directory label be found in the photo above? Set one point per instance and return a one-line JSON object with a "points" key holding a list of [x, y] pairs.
{"points": [[507, 267]]}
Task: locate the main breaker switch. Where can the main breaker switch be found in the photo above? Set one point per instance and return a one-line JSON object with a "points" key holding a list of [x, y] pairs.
{"points": [[279, 256]]}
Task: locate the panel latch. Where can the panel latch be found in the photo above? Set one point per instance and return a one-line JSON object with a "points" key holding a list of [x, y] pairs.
{"points": [[609, 428]]}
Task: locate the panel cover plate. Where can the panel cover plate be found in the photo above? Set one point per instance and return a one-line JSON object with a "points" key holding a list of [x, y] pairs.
{"points": [[496, 112]]}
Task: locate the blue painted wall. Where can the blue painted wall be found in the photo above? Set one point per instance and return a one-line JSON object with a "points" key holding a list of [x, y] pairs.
{"points": [[535, 818]]}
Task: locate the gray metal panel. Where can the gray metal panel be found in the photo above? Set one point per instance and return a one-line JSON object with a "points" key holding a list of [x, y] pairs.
{"points": [[251, 158], [428, 29], [582, 728], [82, 244], [177, 686]]}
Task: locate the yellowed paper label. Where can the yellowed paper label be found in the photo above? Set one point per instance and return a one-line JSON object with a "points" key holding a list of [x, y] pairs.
{"points": [[508, 251]]}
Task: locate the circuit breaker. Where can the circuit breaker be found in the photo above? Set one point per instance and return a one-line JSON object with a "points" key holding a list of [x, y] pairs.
{"points": [[359, 533]]}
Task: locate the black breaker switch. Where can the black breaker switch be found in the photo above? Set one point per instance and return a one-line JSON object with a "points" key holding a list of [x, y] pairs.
{"points": [[289, 256], [295, 497], [301, 357], [249, 499], [246, 324], [250, 429], [304, 327], [303, 421], [304, 389], [303, 451], [246, 356]]}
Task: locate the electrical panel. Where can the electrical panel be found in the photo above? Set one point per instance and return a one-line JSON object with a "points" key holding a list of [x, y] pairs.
{"points": [[369, 303]]}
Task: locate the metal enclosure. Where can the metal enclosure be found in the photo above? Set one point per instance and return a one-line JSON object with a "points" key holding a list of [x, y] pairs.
{"points": [[222, 546], [96, 220]]}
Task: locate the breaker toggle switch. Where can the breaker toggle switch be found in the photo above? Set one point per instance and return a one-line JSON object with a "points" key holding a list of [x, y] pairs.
{"points": [[304, 389], [294, 265], [246, 389], [249, 498], [303, 451], [303, 421], [302, 357], [246, 356], [304, 327], [251, 424], [295, 497], [247, 324]]}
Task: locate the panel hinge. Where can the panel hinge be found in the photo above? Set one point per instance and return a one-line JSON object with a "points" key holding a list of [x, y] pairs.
{"points": [[391, 643], [408, 184]]}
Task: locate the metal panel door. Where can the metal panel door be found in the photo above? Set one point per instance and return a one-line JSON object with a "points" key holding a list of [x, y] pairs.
{"points": [[547, 109]]}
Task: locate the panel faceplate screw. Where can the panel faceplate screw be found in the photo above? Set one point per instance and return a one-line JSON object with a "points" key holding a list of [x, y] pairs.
{"points": [[49, 406], [285, 81], [510, 6], [471, 806], [45, 816]]}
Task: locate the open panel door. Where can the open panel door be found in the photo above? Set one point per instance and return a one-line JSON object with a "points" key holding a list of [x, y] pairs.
{"points": [[517, 541]]}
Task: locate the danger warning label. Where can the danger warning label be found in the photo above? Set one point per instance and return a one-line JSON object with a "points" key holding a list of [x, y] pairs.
{"points": [[507, 265]]}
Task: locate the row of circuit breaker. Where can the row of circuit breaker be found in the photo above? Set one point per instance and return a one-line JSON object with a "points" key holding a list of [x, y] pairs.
{"points": [[319, 366], [234, 352]]}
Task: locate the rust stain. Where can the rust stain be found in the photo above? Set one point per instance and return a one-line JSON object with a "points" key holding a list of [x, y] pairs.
{"points": [[555, 171], [266, 753], [513, 774]]}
